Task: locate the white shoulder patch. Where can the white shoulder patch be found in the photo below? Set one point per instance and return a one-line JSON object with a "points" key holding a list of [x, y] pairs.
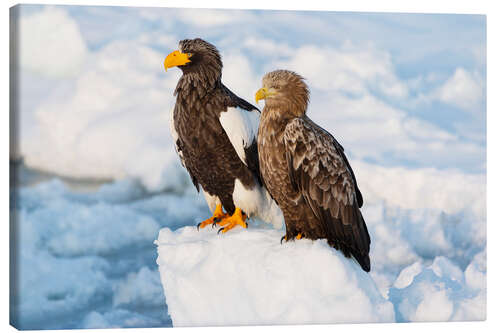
{"points": [[241, 127], [175, 137]]}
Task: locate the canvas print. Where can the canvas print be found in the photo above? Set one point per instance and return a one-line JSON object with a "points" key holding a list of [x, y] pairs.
{"points": [[198, 167]]}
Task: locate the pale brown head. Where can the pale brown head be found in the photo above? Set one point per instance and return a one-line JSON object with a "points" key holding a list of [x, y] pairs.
{"points": [[284, 90]]}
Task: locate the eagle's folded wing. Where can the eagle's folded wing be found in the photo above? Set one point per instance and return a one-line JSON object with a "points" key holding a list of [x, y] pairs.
{"points": [[340, 151], [175, 138], [178, 149], [319, 172], [241, 127]]}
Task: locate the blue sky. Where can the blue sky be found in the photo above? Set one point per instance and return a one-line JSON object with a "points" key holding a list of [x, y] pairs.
{"points": [[398, 90]]}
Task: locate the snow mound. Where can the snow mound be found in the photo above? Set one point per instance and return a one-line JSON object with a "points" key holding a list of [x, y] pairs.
{"points": [[246, 277], [441, 291]]}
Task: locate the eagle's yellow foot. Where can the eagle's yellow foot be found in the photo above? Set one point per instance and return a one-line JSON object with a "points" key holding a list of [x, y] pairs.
{"points": [[284, 238], [217, 216], [228, 223]]}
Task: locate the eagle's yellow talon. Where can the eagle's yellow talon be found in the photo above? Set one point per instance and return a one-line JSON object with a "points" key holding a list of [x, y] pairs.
{"points": [[228, 223], [217, 216], [284, 238]]}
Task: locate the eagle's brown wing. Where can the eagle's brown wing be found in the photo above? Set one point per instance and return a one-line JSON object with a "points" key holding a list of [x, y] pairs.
{"points": [[318, 170], [340, 151]]}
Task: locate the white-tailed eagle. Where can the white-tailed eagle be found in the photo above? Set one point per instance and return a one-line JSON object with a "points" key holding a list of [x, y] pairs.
{"points": [[306, 171]]}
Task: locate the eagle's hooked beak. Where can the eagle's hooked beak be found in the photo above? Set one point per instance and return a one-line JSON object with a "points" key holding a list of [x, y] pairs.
{"points": [[176, 58], [263, 93]]}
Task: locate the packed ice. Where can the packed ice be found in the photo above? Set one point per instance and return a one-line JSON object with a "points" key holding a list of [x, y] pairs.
{"points": [[428, 264], [249, 278], [86, 257]]}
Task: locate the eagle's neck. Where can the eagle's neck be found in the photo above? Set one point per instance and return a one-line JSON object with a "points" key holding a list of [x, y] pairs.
{"points": [[199, 82], [276, 118]]}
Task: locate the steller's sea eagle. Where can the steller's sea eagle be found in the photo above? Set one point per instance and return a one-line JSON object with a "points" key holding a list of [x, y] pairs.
{"points": [[215, 135], [306, 171]]}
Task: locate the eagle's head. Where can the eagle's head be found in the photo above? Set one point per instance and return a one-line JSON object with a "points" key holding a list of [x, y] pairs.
{"points": [[195, 56], [284, 90]]}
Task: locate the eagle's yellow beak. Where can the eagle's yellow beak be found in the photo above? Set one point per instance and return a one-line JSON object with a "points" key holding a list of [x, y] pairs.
{"points": [[262, 93], [176, 58]]}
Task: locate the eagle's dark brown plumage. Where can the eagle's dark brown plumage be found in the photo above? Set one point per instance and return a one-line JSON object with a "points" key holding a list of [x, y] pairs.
{"points": [[215, 134], [306, 171]]}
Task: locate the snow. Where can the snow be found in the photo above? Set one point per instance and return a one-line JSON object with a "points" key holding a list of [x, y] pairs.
{"points": [[47, 35], [249, 278], [118, 318], [423, 188], [475, 274], [428, 259], [441, 292], [78, 108], [86, 258], [407, 275], [139, 288], [117, 106]]}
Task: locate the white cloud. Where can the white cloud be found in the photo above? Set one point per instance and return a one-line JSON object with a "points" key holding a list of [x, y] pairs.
{"points": [[50, 43], [463, 89]]}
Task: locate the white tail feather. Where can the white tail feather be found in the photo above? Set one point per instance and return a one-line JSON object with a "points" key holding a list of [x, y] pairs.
{"points": [[257, 202]]}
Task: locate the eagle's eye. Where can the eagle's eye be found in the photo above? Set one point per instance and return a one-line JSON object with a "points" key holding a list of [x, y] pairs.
{"points": [[189, 55]]}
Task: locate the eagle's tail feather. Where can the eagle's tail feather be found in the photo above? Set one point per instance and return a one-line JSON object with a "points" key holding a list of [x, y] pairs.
{"points": [[362, 241], [349, 234], [363, 260], [348, 251]]}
